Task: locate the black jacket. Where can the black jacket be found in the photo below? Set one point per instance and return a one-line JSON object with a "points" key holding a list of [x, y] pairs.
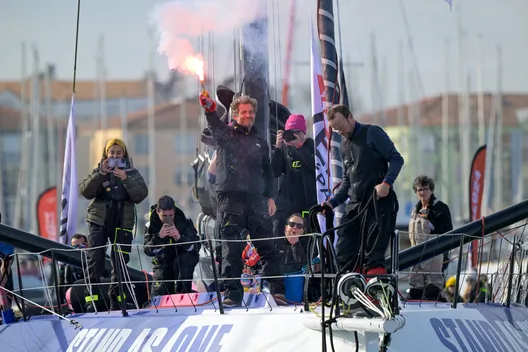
{"points": [[291, 162], [184, 226], [294, 257], [242, 160]]}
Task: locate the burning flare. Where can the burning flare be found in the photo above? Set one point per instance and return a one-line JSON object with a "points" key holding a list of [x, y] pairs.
{"points": [[193, 65]]}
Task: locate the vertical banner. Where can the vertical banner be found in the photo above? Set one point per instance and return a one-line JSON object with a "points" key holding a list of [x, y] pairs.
{"points": [[321, 130], [47, 214], [70, 188], [476, 191]]}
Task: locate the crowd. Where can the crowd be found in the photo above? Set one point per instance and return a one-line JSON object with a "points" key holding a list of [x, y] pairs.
{"points": [[249, 207]]}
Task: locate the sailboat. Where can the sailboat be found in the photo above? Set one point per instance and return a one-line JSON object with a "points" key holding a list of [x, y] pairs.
{"points": [[358, 313]]}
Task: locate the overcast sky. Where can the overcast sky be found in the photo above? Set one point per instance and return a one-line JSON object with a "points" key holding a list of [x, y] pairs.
{"points": [[51, 27]]}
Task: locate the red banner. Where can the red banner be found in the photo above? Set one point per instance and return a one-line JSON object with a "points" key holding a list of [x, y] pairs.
{"points": [[476, 191], [47, 214]]}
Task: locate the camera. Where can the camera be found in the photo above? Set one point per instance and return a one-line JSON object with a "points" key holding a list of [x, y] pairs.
{"points": [[288, 135], [117, 163]]}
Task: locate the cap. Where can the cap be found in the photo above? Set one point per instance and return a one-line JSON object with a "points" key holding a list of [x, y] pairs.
{"points": [[166, 203], [296, 122]]}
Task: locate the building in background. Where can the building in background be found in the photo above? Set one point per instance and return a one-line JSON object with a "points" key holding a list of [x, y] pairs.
{"points": [[416, 129]]}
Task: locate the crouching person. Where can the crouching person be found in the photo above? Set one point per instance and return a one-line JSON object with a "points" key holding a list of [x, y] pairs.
{"points": [[167, 239]]}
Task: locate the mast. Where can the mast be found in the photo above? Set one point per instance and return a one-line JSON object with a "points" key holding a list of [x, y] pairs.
{"points": [[101, 75], [445, 128], [22, 186], [326, 31], [401, 110], [374, 81], [36, 172], [151, 125], [51, 147], [498, 156], [463, 121], [183, 141], [480, 88], [123, 112], [256, 68], [287, 60]]}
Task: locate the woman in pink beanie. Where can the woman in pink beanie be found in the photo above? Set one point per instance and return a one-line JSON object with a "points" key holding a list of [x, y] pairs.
{"points": [[294, 159]]}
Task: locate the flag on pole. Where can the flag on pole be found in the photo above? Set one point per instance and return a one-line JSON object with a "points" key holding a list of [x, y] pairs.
{"points": [[321, 129], [70, 191]]}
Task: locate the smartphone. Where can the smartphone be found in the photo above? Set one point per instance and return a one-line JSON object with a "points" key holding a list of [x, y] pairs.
{"points": [[117, 163]]}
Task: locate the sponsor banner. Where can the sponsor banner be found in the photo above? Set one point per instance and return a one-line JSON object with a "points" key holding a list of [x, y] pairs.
{"points": [[47, 214], [476, 191], [171, 331]]}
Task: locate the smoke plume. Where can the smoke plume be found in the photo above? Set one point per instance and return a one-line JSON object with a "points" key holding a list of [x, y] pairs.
{"points": [[180, 21]]}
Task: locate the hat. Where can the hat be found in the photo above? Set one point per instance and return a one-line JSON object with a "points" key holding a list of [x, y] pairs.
{"points": [[450, 282], [115, 141], [296, 122], [166, 203]]}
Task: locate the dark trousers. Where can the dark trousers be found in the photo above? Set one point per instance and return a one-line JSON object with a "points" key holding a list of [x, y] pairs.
{"points": [[99, 236], [236, 213], [378, 232], [174, 268]]}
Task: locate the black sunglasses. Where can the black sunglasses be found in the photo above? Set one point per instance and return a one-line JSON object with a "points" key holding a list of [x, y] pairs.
{"points": [[295, 224]]}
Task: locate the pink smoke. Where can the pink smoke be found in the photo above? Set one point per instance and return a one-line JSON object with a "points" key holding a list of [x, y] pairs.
{"points": [[180, 21]]}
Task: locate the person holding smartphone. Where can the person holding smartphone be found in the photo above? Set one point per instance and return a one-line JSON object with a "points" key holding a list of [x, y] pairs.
{"points": [[172, 241], [114, 187]]}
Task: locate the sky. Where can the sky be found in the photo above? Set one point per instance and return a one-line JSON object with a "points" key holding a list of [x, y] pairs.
{"points": [[50, 27]]}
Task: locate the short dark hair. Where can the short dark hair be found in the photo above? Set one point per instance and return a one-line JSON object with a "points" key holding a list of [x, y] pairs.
{"points": [[299, 216], [423, 181], [79, 236], [166, 203], [339, 108]]}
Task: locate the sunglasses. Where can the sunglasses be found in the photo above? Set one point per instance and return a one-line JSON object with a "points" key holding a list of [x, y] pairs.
{"points": [[82, 245], [295, 224]]}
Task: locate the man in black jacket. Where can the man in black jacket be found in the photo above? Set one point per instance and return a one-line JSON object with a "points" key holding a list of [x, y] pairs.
{"points": [[167, 237], [294, 159], [244, 183], [371, 164]]}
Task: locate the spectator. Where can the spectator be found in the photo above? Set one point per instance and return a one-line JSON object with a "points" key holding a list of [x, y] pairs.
{"points": [[167, 237], [114, 187], [294, 160], [294, 246], [430, 217], [68, 274]]}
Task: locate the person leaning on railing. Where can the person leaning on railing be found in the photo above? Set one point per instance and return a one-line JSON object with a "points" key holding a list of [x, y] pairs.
{"points": [[114, 187], [429, 217], [169, 237]]}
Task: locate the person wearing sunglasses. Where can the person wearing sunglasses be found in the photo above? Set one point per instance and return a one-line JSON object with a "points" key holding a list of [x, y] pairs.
{"points": [[293, 248]]}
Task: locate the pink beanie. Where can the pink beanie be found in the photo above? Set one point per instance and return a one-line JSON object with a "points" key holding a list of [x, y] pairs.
{"points": [[296, 122]]}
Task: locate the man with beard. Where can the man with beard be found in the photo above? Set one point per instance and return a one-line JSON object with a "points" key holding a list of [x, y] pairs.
{"points": [[371, 164], [244, 184]]}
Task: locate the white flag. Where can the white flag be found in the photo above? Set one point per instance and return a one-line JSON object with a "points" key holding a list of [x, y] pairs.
{"points": [[70, 191], [321, 129]]}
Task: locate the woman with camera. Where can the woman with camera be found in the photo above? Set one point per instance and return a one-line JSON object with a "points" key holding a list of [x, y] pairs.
{"points": [[294, 159], [114, 188]]}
